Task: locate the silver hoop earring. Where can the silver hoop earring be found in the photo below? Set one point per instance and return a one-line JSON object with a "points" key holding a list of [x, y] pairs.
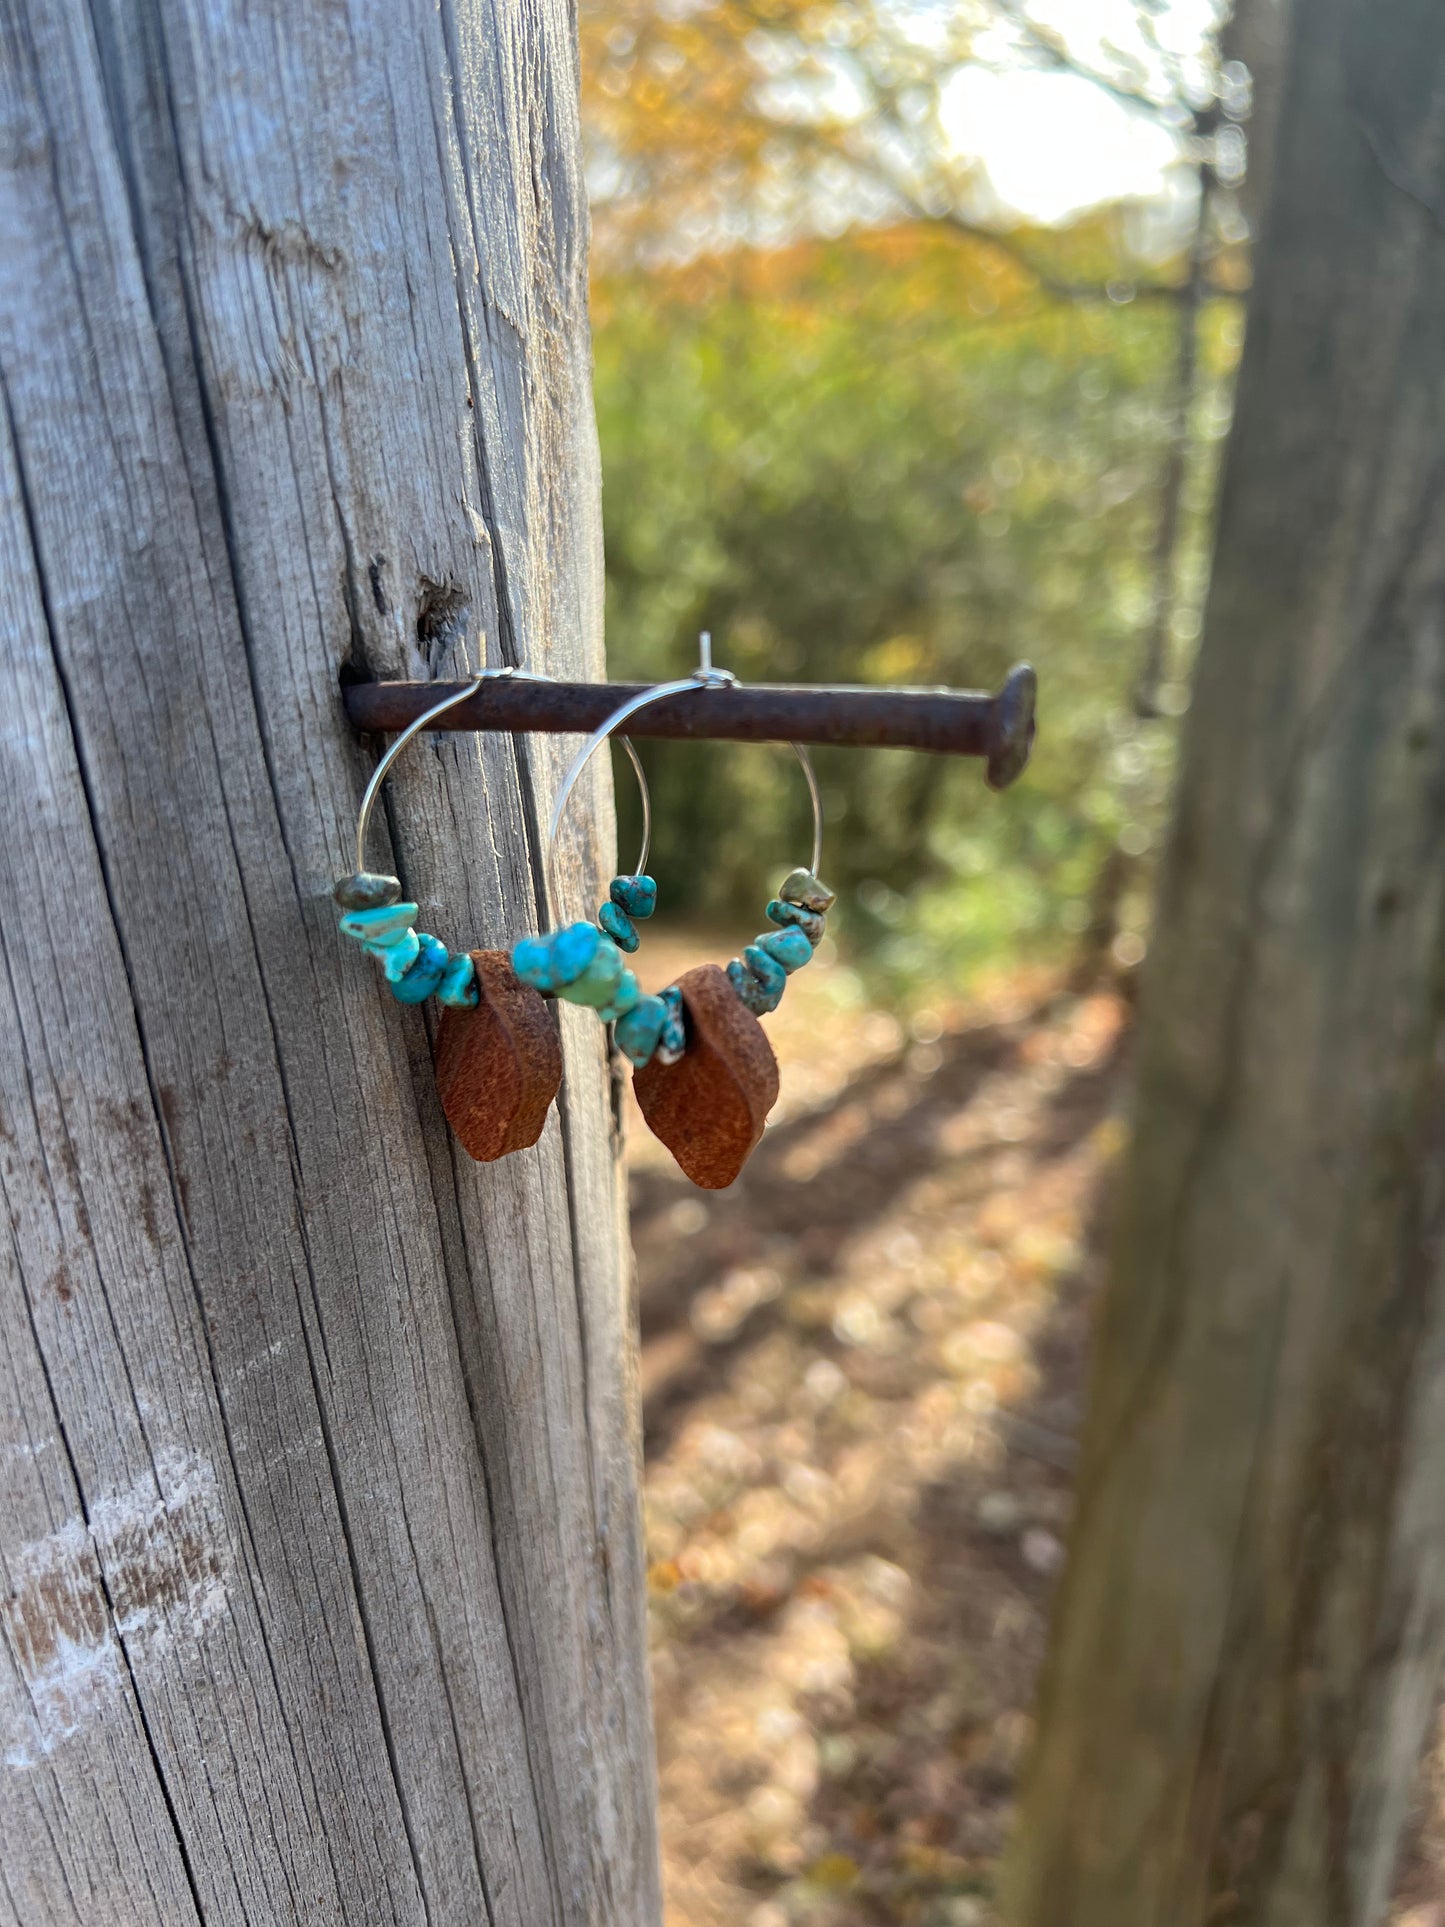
{"points": [[706, 1074]]}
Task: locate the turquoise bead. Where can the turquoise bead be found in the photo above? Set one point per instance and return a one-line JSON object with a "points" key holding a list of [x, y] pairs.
{"points": [[812, 923], [573, 950], [636, 895], [790, 948], [624, 998], [378, 946], [673, 1041], [598, 983], [758, 1000], [425, 974], [532, 962], [638, 1032], [382, 947], [367, 926], [398, 955], [366, 890], [618, 926], [804, 889], [768, 971], [458, 986]]}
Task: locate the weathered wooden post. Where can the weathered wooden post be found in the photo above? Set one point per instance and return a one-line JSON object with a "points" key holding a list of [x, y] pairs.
{"points": [[1249, 1639], [319, 1547]]}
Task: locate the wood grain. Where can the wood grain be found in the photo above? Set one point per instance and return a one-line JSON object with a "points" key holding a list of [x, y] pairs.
{"points": [[319, 1552], [1249, 1640]]}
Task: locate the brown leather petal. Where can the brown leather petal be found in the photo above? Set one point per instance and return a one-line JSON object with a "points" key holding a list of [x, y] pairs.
{"points": [[499, 1065], [709, 1108]]}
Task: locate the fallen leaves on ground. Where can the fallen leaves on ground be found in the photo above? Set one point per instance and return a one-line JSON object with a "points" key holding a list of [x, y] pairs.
{"points": [[862, 1375]]}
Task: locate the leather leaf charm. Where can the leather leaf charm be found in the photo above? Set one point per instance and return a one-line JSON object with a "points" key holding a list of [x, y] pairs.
{"points": [[709, 1108], [498, 1065]]}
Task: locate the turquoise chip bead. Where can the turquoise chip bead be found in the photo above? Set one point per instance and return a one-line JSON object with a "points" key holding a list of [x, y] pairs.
{"points": [[532, 962], [378, 946], [597, 985], [368, 926], [636, 895], [386, 949], [812, 923], [624, 998], [638, 1032], [804, 889], [619, 926], [673, 1041], [758, 1000], [397, 955], [790, 948], [458, 987], [366, 890], [768, 971], [573, 950], [425, 974]]}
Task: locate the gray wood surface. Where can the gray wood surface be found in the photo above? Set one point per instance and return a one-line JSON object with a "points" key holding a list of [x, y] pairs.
{"points": [[320, 1567], [1249, 1638]]}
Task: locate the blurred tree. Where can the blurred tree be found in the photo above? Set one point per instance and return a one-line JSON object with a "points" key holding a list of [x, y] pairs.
{"points": [[758, 121], [768, 477], [1248, 1643], [980, 492]]}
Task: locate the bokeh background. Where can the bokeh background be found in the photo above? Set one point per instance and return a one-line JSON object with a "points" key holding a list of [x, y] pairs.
{"points": [[915, 327], [915, 330]]}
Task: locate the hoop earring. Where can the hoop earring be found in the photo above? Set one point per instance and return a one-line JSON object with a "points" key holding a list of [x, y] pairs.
{"points": [[498, 1058], [706, 1074]]}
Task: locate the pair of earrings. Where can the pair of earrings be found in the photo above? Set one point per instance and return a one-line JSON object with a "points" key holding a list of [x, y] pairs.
{"points": [[705, 1075]]}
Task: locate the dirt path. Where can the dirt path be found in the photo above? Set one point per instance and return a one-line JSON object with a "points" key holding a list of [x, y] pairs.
{"points": [[862, 1375]]}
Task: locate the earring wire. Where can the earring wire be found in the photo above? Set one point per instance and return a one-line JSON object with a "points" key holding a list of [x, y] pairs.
{"points": [[705, 676], [505, 673]]}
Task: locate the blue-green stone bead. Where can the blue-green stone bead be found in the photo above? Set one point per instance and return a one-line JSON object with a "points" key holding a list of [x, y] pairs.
{"points": [[768, 971], [812, 923], [458, 986], [397, 955], [637, 1033], [378, 946], [618, 926], [624, 998], [758, 1000], [598, 983], [790, 948], [369, 926], [425, 974], [532, 962], [804, 889], [394, 951], [573, 950], [636, 895], [366, 890], [673, 1041]]}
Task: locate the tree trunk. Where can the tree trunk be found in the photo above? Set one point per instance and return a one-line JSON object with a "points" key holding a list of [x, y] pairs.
{"points": [[320, 1545], [1250, 1631]]}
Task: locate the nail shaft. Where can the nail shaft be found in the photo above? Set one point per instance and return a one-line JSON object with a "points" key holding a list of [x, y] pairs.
{"points": [[949, 722]]}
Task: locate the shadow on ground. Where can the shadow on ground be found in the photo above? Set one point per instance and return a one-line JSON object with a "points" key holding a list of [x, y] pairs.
{"points": [[863, 1376], [862, 1370]]}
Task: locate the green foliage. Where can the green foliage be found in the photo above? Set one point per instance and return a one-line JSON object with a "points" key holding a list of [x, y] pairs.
{"points": [[875, 461]]}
